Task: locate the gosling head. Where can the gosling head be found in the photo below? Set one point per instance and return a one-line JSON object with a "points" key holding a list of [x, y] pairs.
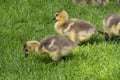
{"points": [[61, 15], [30, 46]]}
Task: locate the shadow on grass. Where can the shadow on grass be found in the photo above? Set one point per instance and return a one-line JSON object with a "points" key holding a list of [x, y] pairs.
{"points": [[99, 40], [115, 39], [47, 59], [92, 41]]}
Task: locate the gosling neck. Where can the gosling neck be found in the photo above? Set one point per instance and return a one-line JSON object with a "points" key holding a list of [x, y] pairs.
{"points": [[62, 21]]}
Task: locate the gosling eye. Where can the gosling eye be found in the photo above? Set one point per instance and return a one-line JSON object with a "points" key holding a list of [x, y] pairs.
{"points": [[56, 14], [26, 50]]}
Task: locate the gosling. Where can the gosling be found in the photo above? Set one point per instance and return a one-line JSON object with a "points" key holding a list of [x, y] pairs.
{"points": [[79, 2], [111, 25], [91, 2], [55, 46], [101, 2], [76, 30]]}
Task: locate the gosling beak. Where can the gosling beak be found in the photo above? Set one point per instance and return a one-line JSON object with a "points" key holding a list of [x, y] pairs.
{"points": [[26, 54], [54, 18]]}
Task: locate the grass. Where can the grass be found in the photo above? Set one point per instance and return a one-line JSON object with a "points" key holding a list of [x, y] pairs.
{"points": [[22, 20]]}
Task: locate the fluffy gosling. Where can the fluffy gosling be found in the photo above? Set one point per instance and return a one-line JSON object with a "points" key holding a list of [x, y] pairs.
{"points": [[75, 29], [92, 2], [79, 2], [111, 25], [55, 46]]}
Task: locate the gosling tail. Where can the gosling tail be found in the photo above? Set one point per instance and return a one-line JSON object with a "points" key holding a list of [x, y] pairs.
{"points": [[106, 36]]}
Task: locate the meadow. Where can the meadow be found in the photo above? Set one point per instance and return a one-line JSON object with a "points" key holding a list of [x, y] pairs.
{"points": [[22, 20]]}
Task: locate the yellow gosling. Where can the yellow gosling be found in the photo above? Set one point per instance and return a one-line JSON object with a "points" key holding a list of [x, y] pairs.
{"points": [[91, 2], [111, 25], [55, 46], [75, 29]]}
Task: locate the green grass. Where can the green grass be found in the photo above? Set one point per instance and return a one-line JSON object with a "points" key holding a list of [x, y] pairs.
{"points": [[22, 20]]}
